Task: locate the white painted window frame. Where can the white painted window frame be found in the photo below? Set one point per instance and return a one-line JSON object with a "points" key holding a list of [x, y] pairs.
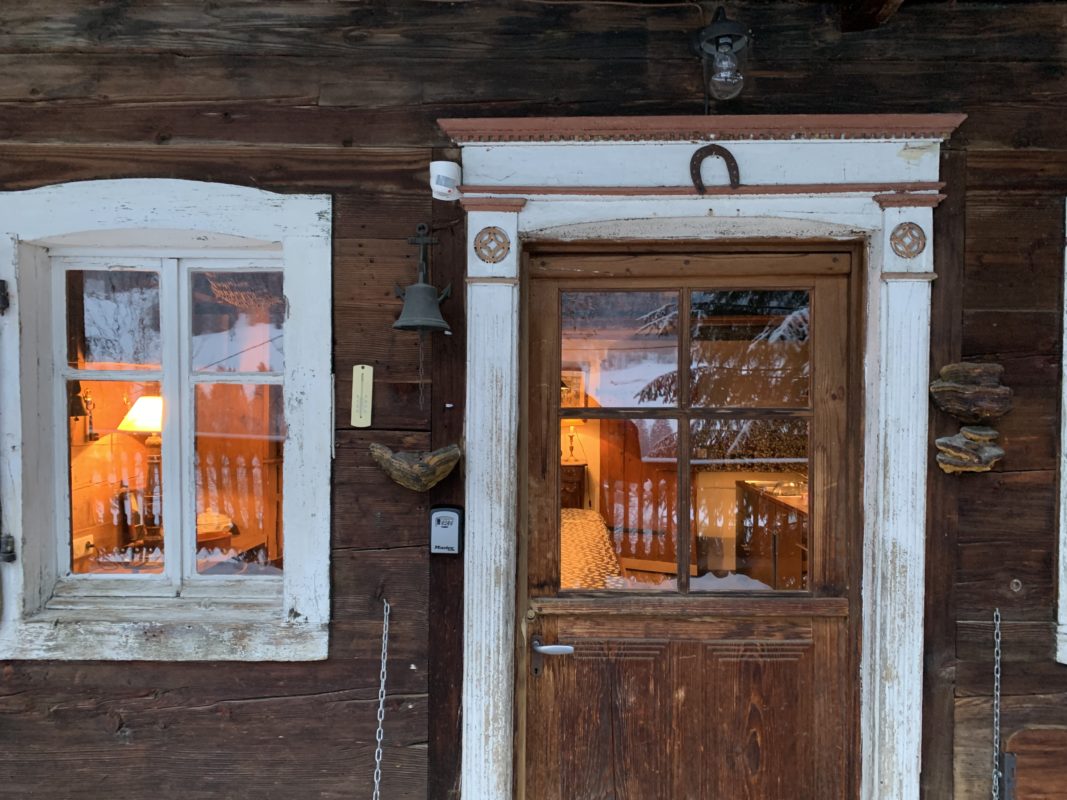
{"points": [[46, 611], [1061, 556], [808, 179]]}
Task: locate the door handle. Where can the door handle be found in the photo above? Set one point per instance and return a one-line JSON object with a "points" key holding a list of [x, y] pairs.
{"points": [[540, 650]]}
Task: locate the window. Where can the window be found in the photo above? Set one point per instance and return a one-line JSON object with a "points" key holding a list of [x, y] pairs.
{"points": [[169, 489], [698, 473]]}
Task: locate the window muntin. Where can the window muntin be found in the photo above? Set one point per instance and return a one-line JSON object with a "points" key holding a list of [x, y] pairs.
{"points": [[217, 439]]}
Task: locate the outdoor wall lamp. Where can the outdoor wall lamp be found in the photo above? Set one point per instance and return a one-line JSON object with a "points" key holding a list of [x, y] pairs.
{"points": [[722, 47]]}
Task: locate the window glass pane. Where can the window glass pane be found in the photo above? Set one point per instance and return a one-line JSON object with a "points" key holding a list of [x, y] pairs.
{"points": [[113, 319], [237, 321], [750, 349], [619, 349], [240, 431], [750, 504], [619, 505], [116, 481]]}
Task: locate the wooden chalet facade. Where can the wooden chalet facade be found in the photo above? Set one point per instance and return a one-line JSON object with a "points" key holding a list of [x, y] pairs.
{"points": [[886, 197]]}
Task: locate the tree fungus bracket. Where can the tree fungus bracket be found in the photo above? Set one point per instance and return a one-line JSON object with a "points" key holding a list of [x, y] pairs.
{"points": [[973, 394], [419, 472]]}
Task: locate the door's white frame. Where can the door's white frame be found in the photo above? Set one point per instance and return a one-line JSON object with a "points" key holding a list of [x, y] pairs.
{"points": [[872, 179]]}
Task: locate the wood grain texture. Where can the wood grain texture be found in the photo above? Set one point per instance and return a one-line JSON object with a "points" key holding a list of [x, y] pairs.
{"points": [[372, 512], [1040, 769], [446, 572], [343, 97], [942, 504], [974, 740]]}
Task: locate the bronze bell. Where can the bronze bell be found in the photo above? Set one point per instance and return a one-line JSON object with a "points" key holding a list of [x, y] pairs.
{"points": [[420, 311]]}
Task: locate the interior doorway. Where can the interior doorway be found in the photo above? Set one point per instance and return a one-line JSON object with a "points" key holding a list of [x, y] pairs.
{"points": [[691, 523]]}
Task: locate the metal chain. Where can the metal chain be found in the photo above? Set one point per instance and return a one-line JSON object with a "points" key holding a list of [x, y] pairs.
{"points": [[997, 774], [381, 703], [422, 370]]}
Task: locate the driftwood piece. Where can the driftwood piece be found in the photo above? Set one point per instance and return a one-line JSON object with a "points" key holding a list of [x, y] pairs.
{"points": [[972, 392], [970, 450], [419, 472]]}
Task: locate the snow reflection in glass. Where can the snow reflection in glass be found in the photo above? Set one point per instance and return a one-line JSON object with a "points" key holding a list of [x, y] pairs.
{"points": [[237, 322], [113, 319], [622, 344], [750, 349]]}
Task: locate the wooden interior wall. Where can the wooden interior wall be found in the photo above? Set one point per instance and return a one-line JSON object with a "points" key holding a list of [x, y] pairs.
{"points": [[341, 96]]}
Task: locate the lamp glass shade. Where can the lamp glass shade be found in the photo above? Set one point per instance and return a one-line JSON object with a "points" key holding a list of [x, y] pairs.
{"points": [[144, 416], [726, 80]]}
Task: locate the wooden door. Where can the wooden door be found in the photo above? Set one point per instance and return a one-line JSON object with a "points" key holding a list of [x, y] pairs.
{"points": [[707, 585]]}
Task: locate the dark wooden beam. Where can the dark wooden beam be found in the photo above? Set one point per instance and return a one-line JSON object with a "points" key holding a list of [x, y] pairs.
{"points": [[942, 491], [445, 635], [862, 15]]}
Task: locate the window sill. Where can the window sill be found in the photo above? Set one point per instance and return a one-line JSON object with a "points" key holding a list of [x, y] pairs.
{"points": [[91, 628]]}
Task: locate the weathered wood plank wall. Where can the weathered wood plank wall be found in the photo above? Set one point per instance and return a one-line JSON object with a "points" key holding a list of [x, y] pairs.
{"points": [[341, 96]]}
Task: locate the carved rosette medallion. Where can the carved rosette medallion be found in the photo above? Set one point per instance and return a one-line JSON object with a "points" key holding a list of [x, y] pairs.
{"points": [[907, 240], [492, 245]]}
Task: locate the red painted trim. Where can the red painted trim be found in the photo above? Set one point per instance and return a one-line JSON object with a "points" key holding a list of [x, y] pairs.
{"points": [[878, 189], [908, 200], [800, 126], [492, 203]]}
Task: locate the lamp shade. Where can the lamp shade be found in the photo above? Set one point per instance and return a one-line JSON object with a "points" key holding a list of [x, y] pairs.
{"points": [[145, 416]]}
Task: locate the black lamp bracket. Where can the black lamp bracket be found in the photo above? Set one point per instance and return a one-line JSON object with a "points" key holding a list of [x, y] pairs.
{"points": [[722, 30]]}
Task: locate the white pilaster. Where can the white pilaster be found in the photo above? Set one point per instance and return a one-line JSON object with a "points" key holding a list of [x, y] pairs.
{"points": [[895, 514], [1061, 613], [491, 450]]}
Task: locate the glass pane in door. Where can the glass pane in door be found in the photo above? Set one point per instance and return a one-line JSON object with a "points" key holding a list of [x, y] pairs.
{"points": [[751, 504], [619, 505], [619, 349], [750, 348]]}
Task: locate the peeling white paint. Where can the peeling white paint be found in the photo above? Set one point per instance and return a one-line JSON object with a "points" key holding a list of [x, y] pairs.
{"points": [[1061, 615], [895, 367]]}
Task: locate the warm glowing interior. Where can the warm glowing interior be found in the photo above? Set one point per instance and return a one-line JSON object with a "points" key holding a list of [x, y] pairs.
{"points": [[145, 416]]}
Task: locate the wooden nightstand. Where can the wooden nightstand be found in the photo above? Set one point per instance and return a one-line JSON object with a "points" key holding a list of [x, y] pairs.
{"points": [[572, 485]]}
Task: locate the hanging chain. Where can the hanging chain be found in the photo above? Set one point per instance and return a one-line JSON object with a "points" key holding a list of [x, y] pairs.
{"points": [[381, 703], [422, 370], [997, 774]]}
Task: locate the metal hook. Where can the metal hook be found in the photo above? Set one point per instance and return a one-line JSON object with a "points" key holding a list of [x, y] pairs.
{"points": [[713, 150]]}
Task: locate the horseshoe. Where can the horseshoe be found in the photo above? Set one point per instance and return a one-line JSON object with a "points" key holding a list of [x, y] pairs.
{"points": [[713, 150]]}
